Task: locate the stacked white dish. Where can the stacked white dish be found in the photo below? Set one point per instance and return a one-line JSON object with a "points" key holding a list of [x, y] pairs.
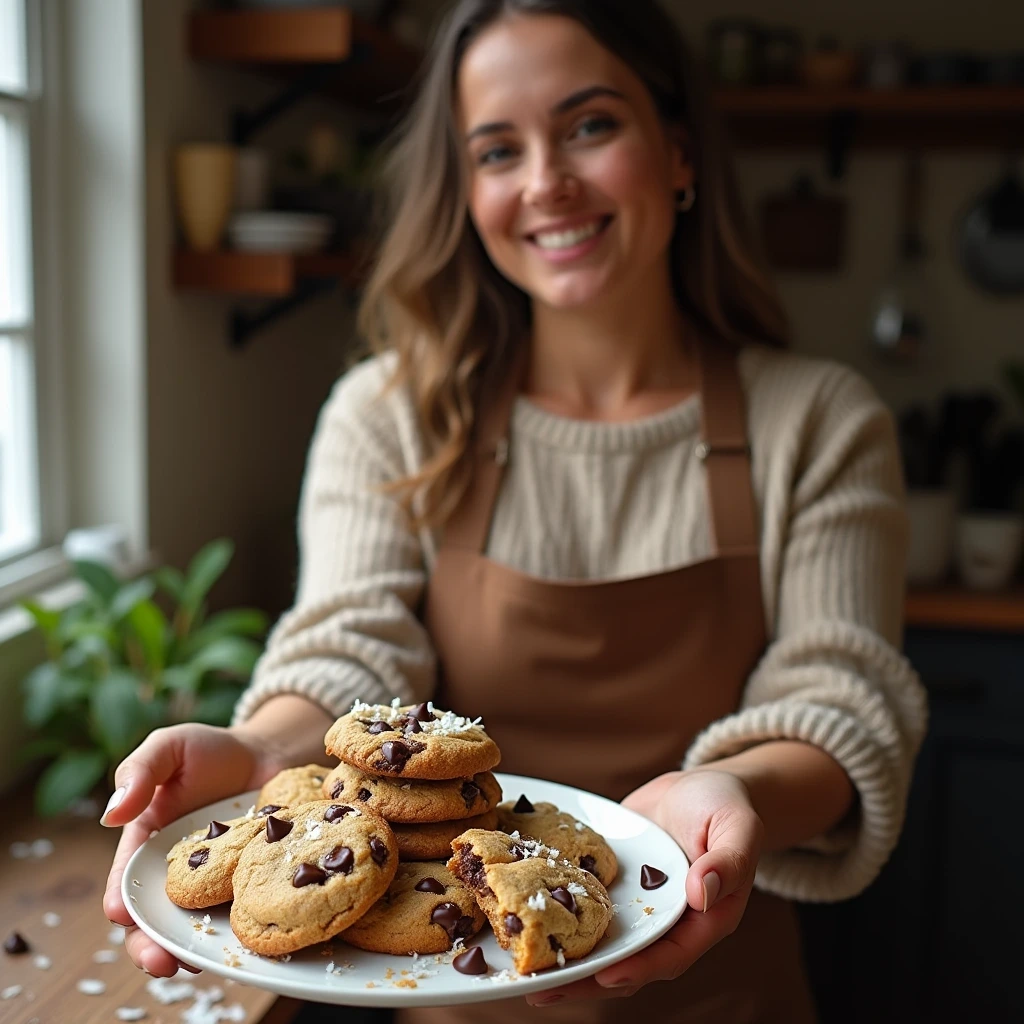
{"points": [[280, 231]]}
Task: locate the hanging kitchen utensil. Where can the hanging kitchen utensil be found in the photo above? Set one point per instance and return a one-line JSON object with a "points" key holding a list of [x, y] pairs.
{"points": [[898, 317], [802, 230], [991, 237]]}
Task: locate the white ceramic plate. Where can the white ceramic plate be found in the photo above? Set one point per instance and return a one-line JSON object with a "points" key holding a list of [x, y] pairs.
{"points": [[376, 979]]}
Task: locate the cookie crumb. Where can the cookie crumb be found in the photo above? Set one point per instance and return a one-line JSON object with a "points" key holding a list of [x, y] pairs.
{"points": [[370, 984], [406, 983], [136, 883], [389, 974], [648, 910]]}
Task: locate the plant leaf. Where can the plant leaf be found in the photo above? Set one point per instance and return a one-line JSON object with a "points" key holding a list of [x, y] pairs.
{"points": [[232, 654], [203, 572], [99, 579], [181, 677], [149, 624], [235, 622], [119, 719], [71, 776], [45, 746], [171, 581], [215, 707], [42, 694], [45, 618], [130, 595]]}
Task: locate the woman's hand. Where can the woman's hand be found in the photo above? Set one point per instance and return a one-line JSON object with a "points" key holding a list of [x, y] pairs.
{"points": [[174, 771], [710, 814]]}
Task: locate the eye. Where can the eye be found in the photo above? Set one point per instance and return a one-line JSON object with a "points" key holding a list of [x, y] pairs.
{"points": [[496, 154], [596, 124]]}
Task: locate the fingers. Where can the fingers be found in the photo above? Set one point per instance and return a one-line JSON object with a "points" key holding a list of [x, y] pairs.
{"points": [[148, 956], [155, 761], [728, 866], [135, 833]]}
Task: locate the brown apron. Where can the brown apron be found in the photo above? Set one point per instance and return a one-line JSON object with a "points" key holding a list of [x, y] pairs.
{"points": [[604, 685]]}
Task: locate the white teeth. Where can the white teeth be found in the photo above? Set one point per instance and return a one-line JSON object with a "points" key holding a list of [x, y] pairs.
{"points": [[565, 239]]}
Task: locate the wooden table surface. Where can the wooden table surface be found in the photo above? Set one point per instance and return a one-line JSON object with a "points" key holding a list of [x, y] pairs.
{"points": [[69, 882]]}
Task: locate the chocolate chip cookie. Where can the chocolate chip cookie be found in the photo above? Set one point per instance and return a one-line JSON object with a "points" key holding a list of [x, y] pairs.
{"points": [[432, 840], [577, 842], [415, 741], [200, 866], [543, 908], [414, 800], [294, 786], [317, 869], [425, 909]]}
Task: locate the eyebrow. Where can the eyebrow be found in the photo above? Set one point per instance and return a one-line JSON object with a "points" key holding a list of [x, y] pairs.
{"points": [[577, 99]]}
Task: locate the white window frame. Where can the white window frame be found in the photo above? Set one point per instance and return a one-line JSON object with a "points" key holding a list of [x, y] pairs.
{"points": [[42, 561]]}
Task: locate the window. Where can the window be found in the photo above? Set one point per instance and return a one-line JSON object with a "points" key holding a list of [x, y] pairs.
{"points": [[19, 485]]}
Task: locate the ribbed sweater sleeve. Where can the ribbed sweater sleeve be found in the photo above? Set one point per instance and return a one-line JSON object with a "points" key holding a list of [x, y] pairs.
{"points": [[833, 675]]}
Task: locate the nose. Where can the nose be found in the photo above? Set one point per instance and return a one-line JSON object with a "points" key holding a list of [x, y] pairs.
{"points": [[549, 179]]}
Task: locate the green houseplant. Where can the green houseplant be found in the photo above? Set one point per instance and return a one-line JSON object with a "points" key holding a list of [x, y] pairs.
{"points": [[119, 665]]}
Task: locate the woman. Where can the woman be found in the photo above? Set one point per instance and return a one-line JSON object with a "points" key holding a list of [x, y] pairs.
{"points": [[583, 493]]}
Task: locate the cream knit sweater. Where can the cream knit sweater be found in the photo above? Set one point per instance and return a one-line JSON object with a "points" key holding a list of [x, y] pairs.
{"points": [[833, 537]]}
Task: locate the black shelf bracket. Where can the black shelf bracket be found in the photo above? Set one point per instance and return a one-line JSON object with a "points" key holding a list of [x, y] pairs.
{"points": [[246, 123], [243, 324], [842, 127]]}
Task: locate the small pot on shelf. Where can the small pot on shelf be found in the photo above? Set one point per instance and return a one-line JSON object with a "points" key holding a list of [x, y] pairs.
{"points": [[988, 548]]}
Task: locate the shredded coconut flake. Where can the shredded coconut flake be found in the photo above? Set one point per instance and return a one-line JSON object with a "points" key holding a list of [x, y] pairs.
{"points": [[10, 992], [167, 991], [251, 813], [502, 976], [104, 956], [448, 724], [42, 848], [537, 901], [91, 987], [580, 826], [44, 963], [576, 889], [560, 958], [130, 1012], [116, 936], [51, 920]]}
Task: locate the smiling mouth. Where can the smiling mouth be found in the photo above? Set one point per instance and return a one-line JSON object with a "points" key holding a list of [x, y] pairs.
{"points": [[555, 240]]}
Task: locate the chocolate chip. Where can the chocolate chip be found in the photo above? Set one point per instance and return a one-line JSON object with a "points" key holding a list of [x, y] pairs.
{"points": [[470, 791], [415, 746], [464, 928], [318, 779], [430, 885], [409, 725], [523, 806], [512, 924], [651, 878], [337, 789], [340, 859], [269, 809], [277, 829], [364, 795], [471, 962], [216, 829], [588, 863], [448, 916], [198, 858], [14, 944], [472, 870], [378, 850], [554, 943], [517, 851], [376, 728], [336, 811], [395, 753], [308, 874], [562, 895], [422, 713]]}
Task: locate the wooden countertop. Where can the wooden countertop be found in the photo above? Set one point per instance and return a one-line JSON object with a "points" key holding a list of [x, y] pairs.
{"points": [[69, 882]]}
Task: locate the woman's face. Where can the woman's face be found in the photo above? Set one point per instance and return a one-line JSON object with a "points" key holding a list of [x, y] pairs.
{"points": [[572, 174]]}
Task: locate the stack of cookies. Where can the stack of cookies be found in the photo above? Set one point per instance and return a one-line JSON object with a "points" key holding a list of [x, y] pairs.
{"points": [[403, 848]]}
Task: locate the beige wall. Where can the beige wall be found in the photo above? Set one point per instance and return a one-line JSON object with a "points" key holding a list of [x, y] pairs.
{"points": [[228, 431]]}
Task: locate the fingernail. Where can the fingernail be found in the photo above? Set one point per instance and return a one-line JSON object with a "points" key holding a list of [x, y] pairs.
{"points": [[617, 983], [711, 884], [115, 798], [547, 1001]]}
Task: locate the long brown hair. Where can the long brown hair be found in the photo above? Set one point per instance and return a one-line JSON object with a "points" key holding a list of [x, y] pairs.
{"points": [[435, 299]]}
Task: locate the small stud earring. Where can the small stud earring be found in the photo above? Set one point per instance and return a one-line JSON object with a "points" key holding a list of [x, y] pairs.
{"points": [[686, 200]]}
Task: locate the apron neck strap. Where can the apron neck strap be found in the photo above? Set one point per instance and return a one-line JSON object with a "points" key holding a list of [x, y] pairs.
{"points": [[724, 449]]}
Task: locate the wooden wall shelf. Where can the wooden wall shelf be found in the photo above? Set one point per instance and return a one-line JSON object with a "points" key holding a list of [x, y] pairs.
{"points": [[270, 275], [372, 65], [961, 117], [954, 608]]}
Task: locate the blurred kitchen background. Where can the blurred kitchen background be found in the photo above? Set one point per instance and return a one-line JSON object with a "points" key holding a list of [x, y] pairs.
{"points": [[184, 197]]}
